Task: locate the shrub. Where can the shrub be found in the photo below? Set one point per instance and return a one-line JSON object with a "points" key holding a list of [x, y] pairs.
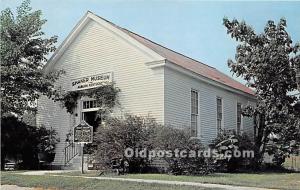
{"points": [[139, 133], [168, 138], [117, 135], [47, 140], [230, 141]]}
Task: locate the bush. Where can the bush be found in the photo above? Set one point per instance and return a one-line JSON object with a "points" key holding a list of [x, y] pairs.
{"points": [[230, 141], [47, 140], [139, 133], [117, 135], [169, 138]]}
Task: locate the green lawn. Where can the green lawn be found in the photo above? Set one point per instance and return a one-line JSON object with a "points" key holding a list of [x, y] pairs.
{"points": [[288, 181], [267, 180], [71, 183]]}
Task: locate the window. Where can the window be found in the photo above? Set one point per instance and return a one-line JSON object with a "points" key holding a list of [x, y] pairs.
{"points": [[219, 114], [89, 104], [238, 118], [194, 113]]}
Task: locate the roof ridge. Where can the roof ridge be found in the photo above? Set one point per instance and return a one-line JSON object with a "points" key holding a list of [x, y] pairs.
{"points": [[117, 26], [221, 78], [166, 47]]}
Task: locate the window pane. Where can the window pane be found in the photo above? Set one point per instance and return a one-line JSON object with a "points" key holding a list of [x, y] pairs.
{"points": [[219, 114], [194, 102], [194, 125], [90, 104], [238, 118], [238, 130], [219, 125], [194, 112]]}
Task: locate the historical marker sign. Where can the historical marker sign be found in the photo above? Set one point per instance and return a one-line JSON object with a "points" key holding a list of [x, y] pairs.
{"points": [[83, 133]]}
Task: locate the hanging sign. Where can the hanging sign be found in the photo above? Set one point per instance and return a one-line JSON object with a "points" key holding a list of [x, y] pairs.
{"points": [[91, 81], [83, 133]]}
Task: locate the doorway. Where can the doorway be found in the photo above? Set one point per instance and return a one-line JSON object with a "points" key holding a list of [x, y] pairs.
{"points": [[89, 113], [92, 119]]}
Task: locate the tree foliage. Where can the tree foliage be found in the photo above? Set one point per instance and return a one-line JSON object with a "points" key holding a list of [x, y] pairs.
{"points": [[105, 97], [22, 143], [268, 61], [23, 53]]}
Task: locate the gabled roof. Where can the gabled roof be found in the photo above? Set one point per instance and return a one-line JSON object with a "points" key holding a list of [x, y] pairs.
{"points": [[187, 62], [174, 57], [191, 64]]}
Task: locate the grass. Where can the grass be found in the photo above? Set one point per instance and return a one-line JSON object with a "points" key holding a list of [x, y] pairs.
{"points": [[71, 183], [288, 181], [268, 180]]}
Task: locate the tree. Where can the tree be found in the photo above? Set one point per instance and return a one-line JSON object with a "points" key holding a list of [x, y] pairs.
{"points": [[22, 142], [24, 50], [267, 61], [19, 142], [298, 76]]}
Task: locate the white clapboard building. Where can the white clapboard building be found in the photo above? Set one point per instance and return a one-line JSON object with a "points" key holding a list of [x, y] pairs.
{"points": [[154, 81]]}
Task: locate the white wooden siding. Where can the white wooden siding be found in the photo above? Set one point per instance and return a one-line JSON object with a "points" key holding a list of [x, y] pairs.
{"points": [[51, 115], [98, 50], [177, 105], [160, 92]]}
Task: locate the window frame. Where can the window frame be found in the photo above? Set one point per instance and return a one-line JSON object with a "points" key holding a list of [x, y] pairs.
{"points": [[87, 99], [240, 131], [219, 129], [192, 114]]}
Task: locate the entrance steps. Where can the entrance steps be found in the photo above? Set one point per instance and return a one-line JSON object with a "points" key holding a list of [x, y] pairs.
{"points": [[75, 163]]}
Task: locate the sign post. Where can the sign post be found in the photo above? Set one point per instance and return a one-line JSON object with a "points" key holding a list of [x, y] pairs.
{"points": [[83, 134], [82, 157]]}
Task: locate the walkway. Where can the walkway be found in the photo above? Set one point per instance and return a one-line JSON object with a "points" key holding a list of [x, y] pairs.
{"points": [[14, 187]]}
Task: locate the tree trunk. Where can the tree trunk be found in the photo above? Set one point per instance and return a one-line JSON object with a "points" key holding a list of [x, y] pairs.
{"points": [[260, 140]]}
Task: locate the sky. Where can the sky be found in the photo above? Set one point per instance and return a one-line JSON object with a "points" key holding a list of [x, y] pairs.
{"points": [[193, 28]]}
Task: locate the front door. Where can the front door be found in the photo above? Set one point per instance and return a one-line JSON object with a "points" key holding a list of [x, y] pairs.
{"points": [[89, 114], [92, 119]]}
